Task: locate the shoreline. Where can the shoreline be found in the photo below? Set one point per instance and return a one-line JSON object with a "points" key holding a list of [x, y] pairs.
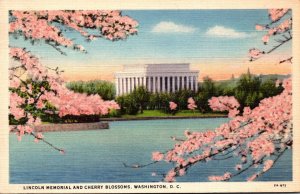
{"points": [[104, 123], [162, 118]]}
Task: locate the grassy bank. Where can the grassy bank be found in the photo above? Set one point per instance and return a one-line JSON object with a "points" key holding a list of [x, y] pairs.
{"points": [[157, 114], [183, 113]]}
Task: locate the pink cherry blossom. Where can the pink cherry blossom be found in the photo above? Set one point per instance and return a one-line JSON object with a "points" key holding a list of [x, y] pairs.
{"points": [[191, 104], [42, 25], [247, 111], [172, 105], [181, 172], [265, 39], [224, 177], [267, 165], [276, 14], [14, 83], [253, 177], [39, 25], [278, 82], [223, 103], [251, 137], [255, 53], [170, 177], [157, 156], [233, 112], [259, 27]]}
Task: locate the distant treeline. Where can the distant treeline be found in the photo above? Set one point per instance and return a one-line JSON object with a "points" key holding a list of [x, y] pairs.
{"points": [[248, 89], [105, 89]]}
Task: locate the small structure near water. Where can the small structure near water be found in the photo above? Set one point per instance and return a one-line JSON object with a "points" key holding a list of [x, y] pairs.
{"points": [[71, 127]]}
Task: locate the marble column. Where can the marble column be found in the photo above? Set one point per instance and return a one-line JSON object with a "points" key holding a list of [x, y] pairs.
{"points": [[196, 83], [163, 84], [148, 83], [173, 83], [125, 85], [139, 81], [136, 85], [132, 84], [144, 81], [168, 84], [154, 84], [117, 86], [158, 84], [136, 82], [178, 83], [122, 86], [129, 85]]}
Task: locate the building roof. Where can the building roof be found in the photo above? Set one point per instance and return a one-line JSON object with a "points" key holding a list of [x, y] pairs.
{"points": [[157, 67]]}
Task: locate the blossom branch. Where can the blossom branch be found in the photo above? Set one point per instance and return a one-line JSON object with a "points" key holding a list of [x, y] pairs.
{"points": [[46, 142], [282, 42], [56, 48], [286, 60]]}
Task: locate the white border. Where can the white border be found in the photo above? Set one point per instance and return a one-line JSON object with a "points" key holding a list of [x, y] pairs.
{"points": [[5, 5]]}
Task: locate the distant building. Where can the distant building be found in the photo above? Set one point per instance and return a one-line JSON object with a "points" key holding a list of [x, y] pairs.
{"points": [[156, 78]]}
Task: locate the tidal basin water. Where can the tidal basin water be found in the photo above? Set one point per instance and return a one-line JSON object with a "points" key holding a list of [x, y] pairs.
{"points": [[98, 155]]}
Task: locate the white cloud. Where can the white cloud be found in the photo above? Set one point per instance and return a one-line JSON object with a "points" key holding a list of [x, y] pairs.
{"points": [[223, 32], [171, 27]]}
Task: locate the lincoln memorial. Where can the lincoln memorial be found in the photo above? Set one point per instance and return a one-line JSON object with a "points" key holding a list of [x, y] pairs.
{"points": [[156, 78]]}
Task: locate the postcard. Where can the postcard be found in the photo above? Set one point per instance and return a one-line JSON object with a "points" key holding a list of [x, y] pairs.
{"points": [[149, 97]]}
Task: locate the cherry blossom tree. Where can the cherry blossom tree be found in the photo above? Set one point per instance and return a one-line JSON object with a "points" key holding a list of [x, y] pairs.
{"points": [[36, 89], [257, 137], [191, 104], [279, 29], [173, 107]]}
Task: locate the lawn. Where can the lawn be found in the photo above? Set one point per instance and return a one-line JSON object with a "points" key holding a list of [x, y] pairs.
{"points": [[182, 113]]}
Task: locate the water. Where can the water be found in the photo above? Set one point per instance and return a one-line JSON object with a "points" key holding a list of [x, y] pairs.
{"points": [[97, 155]]}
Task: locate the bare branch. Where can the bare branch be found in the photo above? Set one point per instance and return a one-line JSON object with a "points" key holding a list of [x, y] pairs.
{"points": [[262, 172], [56, 70], [48, 143], [286, 60], [277, 46], [176, 139], [138, 165], [56, 48]]}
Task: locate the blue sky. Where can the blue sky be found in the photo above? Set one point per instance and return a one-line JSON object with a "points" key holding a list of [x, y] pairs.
{"points": [[195, 36]]}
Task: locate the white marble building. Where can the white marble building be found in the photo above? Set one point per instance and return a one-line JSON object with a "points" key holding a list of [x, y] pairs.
{"points": [[156, 78]]}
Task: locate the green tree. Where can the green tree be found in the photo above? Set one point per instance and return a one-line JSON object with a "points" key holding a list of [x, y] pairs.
{"points": [[128, 104], [208, 86], [141, 96], [207, 90], [268, 88], [247, 91], [105, 89], [165, 98], [181, 98]]}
